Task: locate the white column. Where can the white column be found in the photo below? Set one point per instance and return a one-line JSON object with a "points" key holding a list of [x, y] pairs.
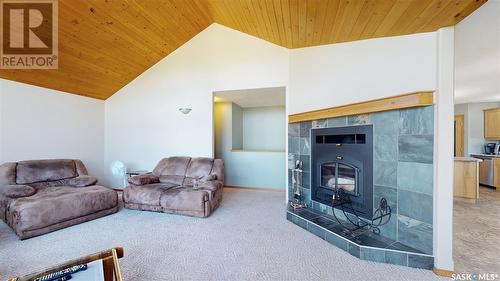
{"points": [[443, 156], [287, 112]]}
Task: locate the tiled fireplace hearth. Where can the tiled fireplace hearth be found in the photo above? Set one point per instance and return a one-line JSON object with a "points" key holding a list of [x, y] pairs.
{"points": [[402, 174]]}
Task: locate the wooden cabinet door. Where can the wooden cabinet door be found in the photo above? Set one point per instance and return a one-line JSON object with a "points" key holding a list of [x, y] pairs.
{"points": [[492, 124]]}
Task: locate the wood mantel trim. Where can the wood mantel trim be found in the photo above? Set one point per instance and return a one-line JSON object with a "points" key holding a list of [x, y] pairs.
{"points": [[415, 99]]}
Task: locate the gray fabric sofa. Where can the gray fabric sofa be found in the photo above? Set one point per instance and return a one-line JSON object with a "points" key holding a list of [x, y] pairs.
{"points": [[40, 196], [178, 185]]}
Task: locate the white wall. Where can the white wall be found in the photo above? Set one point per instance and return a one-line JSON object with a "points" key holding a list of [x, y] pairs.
{"points": [[477, 55], [340, 74], [38, 123], [142, 121], [236, 118], [263, 128]]}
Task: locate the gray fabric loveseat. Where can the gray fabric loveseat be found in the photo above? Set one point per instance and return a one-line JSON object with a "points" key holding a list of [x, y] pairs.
{"points": [[178, 185], [40, 196]]}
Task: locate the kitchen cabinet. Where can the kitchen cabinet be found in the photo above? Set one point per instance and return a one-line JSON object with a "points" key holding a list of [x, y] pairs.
{"points": [[466, 183], [492, 124]]}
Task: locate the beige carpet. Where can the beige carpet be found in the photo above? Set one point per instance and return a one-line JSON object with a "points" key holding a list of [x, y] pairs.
{"points": [[247, 238]]}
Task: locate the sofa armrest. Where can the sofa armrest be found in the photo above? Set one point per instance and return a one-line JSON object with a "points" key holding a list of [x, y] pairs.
{"points": [[82, 181], [17, 190], [8, 173], [80, 168], [212, 185], [144, 179]]}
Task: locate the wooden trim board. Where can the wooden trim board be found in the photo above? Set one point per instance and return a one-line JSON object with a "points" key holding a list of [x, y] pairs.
{"points": [[416, 99], [443, 272], [106, 257]]}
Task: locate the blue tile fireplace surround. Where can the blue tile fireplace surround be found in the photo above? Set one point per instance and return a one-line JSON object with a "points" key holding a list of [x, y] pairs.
{"points": [[402, 174]]}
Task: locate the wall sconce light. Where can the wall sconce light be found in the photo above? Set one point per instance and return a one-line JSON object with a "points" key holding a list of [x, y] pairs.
{"points": [[184, 110]]}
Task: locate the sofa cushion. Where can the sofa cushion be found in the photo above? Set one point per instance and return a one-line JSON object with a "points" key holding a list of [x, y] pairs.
{"points": [[8, 173], [17, 190], [199, 167], [50, 183], [211, 177], [189, 182], [159, 167], [82, 181], [184, 199], [57, 204], [176, 166], [213, 184], [45, 170], [144, 179], [147, 194], [194, 182], [172, 179]]}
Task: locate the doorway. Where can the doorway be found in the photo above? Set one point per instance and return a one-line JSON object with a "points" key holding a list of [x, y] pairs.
{"points": [[250, 136], [459, 135], [476, 228]]}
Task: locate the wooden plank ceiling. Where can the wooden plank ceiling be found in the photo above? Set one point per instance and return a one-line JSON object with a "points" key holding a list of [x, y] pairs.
{"points": [[103, 45]]}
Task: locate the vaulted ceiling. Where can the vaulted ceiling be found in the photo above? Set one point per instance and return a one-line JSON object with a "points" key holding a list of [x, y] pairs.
{"points": [[103, 45]]}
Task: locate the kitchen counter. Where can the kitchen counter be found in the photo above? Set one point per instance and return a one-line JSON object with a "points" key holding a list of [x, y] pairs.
{"points": [[466, 174], [468, 159]]}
